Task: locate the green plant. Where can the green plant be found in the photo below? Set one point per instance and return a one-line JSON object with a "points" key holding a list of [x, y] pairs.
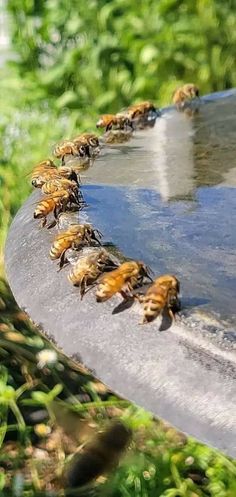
{"points": [[115, 52]]}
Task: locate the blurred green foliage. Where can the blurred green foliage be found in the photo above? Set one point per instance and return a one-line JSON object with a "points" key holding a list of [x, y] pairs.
{"points": [[106, 54]]}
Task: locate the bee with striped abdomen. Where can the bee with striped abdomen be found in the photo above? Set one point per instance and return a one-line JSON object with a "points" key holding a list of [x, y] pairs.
{"points": [[74, 237], [54, 185], [58, 184], [118, 128], [162, 294], [142, 114], [122, 280], [91, 140], [184, 95], [68, 148], [56, 203], [114, 121], [88, 268]]}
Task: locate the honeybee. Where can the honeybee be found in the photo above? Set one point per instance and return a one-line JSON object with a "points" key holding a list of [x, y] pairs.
{"points": [[141, 109], [58, 184], [89, 267], [114, 121], [70, 148], [74, 237], [122, 280], [44, 171], [90, 139], [99, 455], [141, 115], [184, 94], [54, 185], [162, 294], [68, 173], [55, 203]]}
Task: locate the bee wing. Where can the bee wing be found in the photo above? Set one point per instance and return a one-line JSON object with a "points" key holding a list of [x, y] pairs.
{"points": [[52, 196], [150, 273], [40, 200], [65, 236], [52, 166]]}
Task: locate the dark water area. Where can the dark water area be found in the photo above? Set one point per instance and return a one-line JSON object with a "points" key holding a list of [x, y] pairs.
{"points": [[197, 244]]}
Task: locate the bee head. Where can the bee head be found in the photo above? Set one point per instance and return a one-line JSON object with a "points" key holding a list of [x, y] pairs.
{"points": [[84, 151], [100, 123], [94, 142]]}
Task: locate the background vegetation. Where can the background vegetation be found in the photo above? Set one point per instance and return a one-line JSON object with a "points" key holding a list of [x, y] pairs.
{"points": [[72, 61], [106, 54]]}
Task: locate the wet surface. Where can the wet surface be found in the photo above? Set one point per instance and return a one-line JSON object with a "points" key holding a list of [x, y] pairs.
{"points": [[169, 198], [157, 199], [195, 242]]}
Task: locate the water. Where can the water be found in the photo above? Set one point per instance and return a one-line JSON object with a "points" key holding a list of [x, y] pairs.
{"points": [[168, 198]]}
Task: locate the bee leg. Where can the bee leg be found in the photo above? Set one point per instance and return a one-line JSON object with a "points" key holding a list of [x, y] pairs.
{"points": [[52, 224], [96, 239], [139, 297], [88, 288], [109, 127], [171, 314], [63, 260], [99, 234], [143, 321], [77, 245], [126, 294], [43, 222], [83, 288]]}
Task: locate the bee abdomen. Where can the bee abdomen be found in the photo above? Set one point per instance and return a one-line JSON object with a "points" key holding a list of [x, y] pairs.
{"points": [[102, 293], [75, 276], [58, 247], [55, 251], [42, 209], [153, 305]]}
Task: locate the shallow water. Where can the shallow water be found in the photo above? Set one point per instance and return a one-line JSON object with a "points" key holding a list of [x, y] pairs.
{"points": [[168, 197]]}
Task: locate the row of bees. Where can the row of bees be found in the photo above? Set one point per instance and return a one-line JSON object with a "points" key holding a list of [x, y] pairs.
{"points": [[61, 187]]}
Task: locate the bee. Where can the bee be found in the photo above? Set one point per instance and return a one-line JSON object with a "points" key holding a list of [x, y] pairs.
{"points": [[56, 203], [122, 280], [141, 109], [162, 294], [141, 115], [54, 185], [74, 237], [100, 455], [89, 267], [68, 173], [70, 148], [72, 186], [184, 94], [90, 139], [44, 171], [114, 121]]}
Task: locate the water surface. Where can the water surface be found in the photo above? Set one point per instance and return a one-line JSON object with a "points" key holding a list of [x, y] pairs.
{"points": [[168, 197]]}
